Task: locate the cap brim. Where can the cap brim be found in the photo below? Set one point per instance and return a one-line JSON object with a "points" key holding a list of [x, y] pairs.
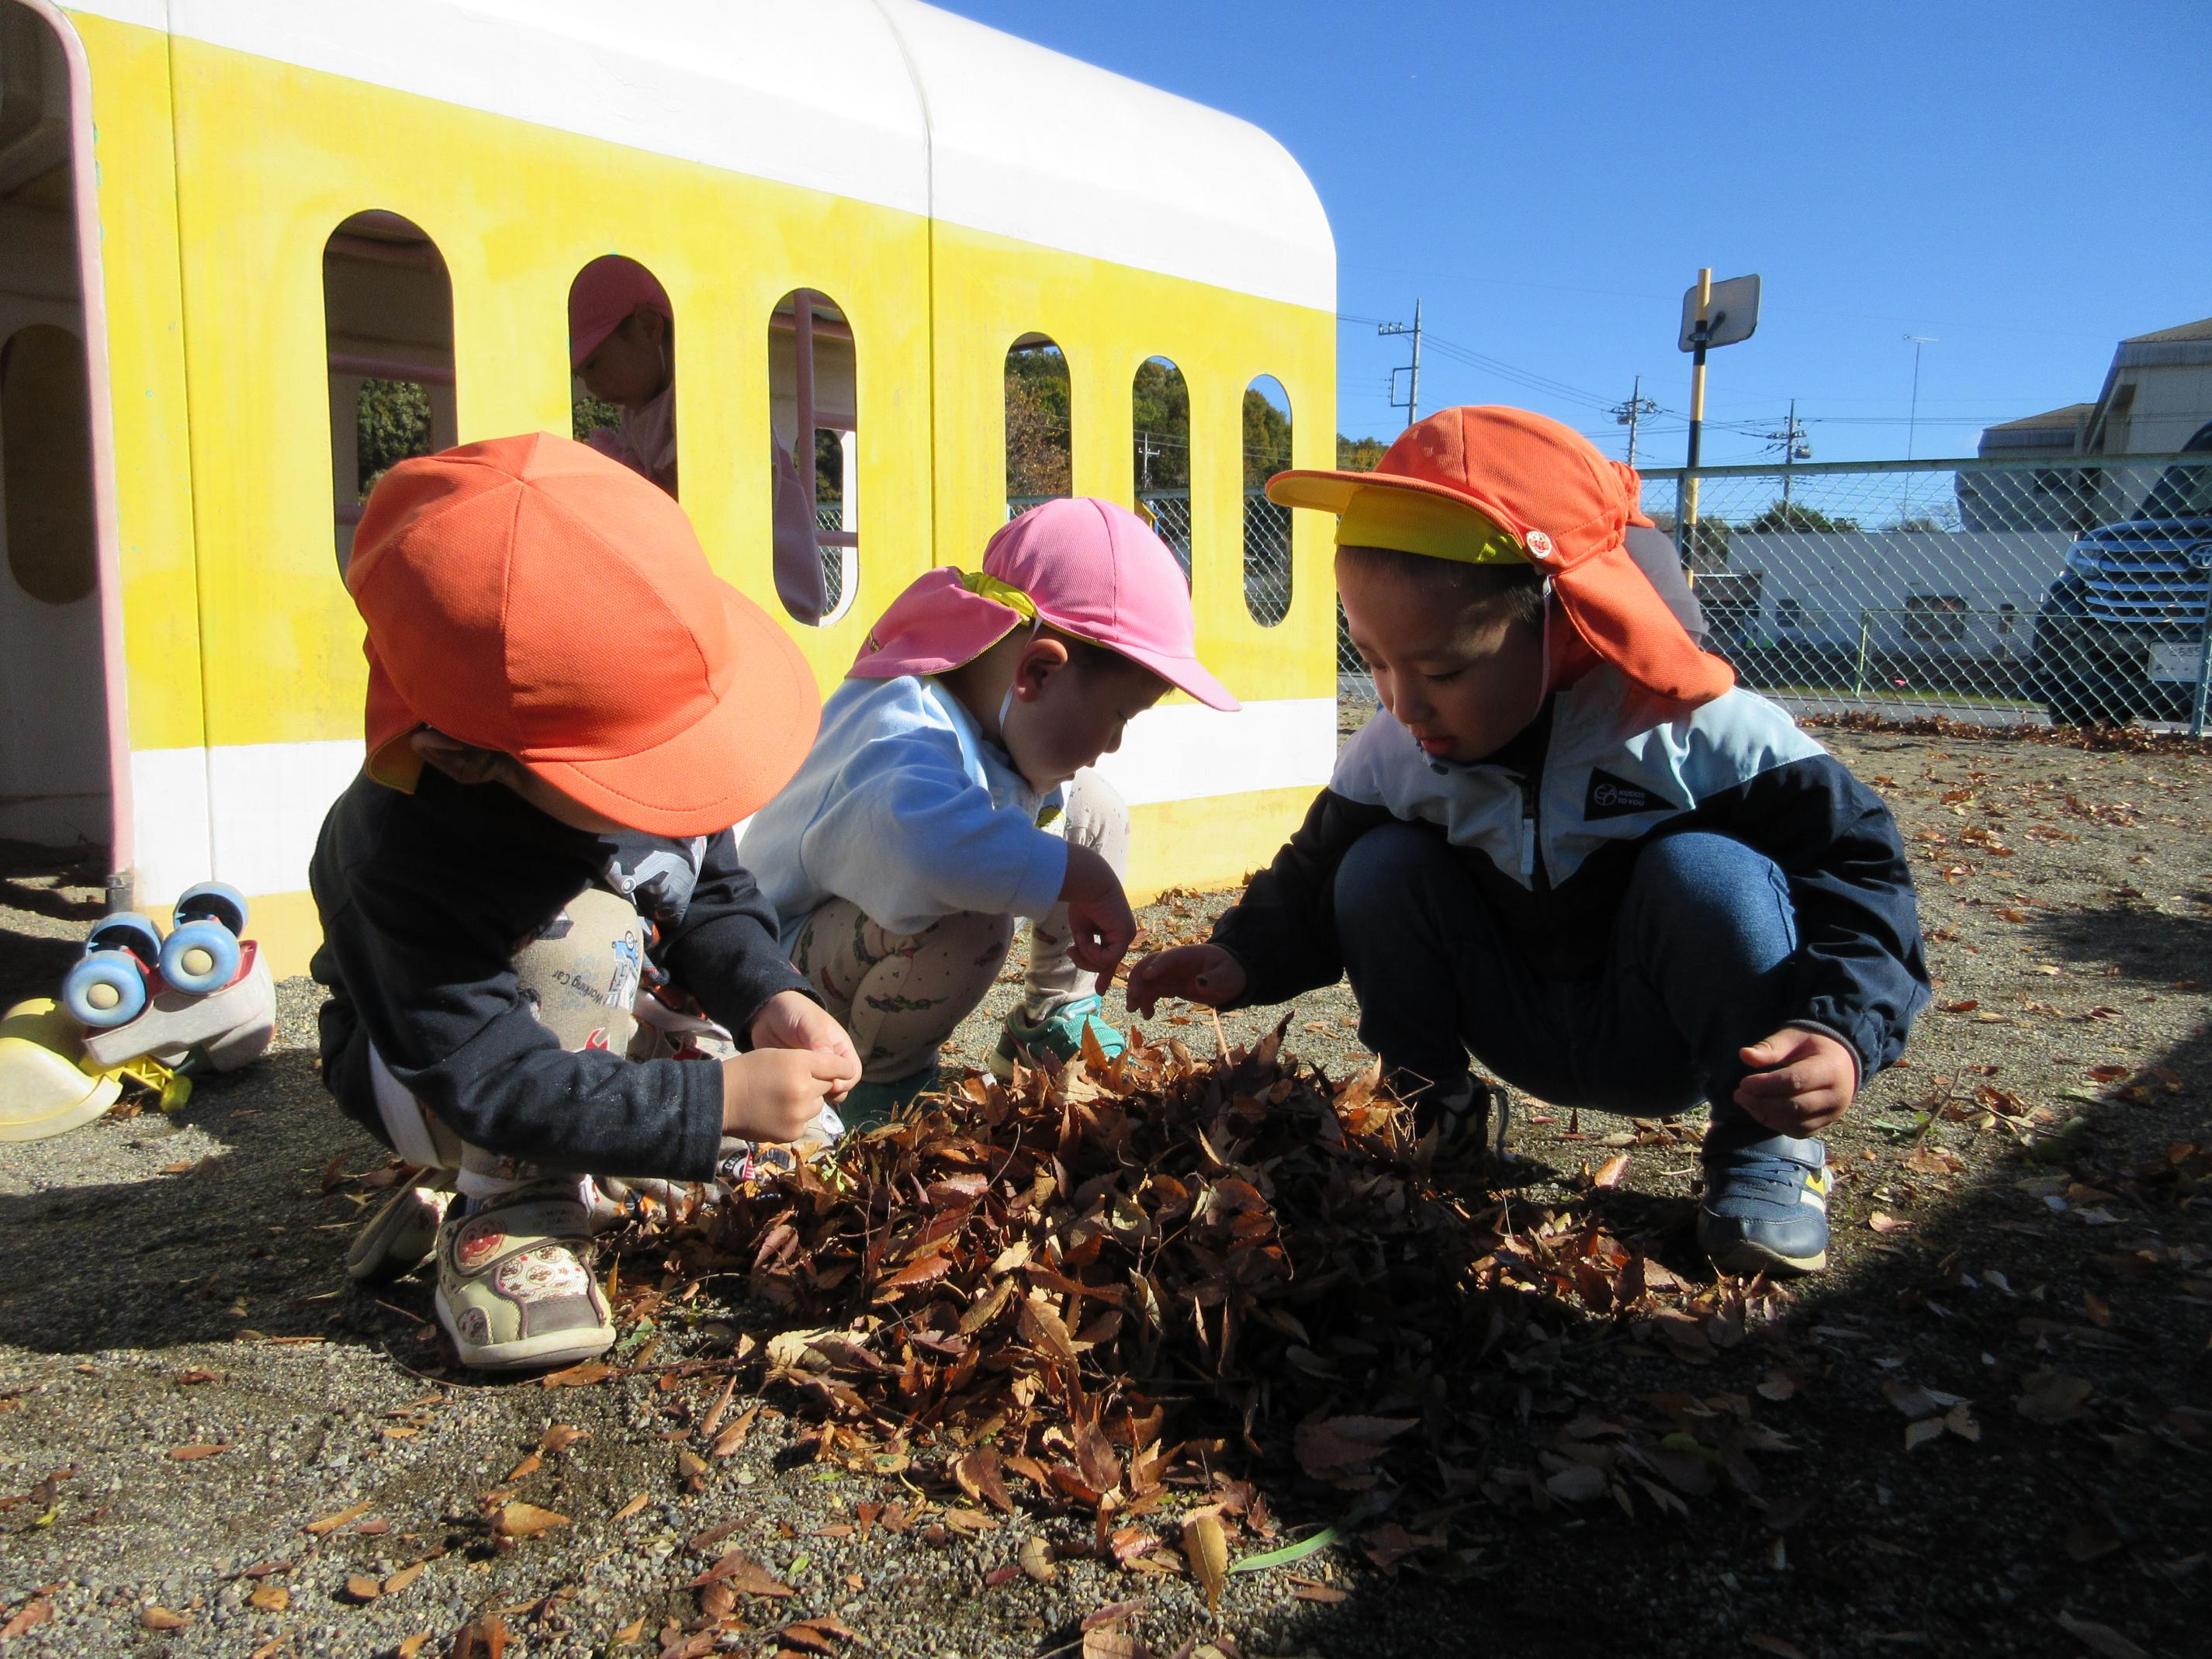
{"points": [[1621, 616], [1331, 492], [1184, 673], [722, 769], [933, 626]]}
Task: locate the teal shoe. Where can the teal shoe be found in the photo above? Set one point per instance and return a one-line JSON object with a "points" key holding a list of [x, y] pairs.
{"points": [[1060, 1032], [868, 1105]]}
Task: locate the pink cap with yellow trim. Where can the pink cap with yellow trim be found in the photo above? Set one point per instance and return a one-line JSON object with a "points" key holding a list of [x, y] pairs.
{"points": [[1083, 566]]}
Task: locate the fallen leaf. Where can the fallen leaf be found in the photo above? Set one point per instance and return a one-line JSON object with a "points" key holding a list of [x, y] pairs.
{"points": [[1312, 1589], [192, 1453], [333, 1523], [2053, 1396], [1036, 1558], [363, 1586], [1776, 1645], [525, 1521], [1578, 1483], [152, 1617], [1886, 1223], [32, 1615], [272, 1598], [577, 1376], [414, 1644], [1206, 1549], [2099, 1639], [631, 1507], [405, 1576]]}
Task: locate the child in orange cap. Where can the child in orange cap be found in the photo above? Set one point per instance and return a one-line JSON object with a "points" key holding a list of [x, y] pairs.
{"points": [[917, 832], [538, 937], [1570, 844]]}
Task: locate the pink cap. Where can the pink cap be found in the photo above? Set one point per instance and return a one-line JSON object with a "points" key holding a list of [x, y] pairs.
{"points": [[602, 298], [1090, 567]]}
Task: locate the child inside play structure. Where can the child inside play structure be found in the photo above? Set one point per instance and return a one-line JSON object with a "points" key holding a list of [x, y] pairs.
{"points": [[542, 955], [1568, 843], [930, 813]]}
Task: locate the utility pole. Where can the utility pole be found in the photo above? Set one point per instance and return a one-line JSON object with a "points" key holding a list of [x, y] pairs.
{"points": [[1144, 454], [1412, 403], [1632, 412], [1790, 441], [1912, 418]]}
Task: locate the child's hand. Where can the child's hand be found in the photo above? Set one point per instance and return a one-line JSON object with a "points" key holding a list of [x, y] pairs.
{"points": [[774, 1094], [790, 1019], [1799, 1081], [1098, 915], [1197, 973]]}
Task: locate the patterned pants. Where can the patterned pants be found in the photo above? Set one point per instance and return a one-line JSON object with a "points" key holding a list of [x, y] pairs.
{"points": [[899, 995], [580, 977]]}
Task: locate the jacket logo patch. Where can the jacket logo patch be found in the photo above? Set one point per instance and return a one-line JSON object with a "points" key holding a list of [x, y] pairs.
{"points": [[1610, 797]]}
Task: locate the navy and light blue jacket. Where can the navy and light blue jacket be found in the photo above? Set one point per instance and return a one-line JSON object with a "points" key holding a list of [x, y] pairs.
{"points": [[1551, 825]]}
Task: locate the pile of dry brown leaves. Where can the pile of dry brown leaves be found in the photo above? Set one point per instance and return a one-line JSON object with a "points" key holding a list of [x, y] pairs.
{"points": [[1153, 1272]]}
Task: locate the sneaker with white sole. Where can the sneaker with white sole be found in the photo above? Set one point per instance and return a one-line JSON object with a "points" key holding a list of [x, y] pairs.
{"points": [[399, 1238], [515, 1289], [1059, 1032], [1765, 1206], [1468, 1115]]}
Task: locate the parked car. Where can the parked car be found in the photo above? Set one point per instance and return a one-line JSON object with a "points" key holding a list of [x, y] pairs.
{"points": [[2121, 633]]}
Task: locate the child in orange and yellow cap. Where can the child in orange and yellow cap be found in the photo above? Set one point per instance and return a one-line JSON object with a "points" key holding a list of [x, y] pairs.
{"points": [[537, 939], [1568, 844]]}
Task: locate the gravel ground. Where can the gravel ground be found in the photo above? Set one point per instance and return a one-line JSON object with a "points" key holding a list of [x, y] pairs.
{"points": [[174, 1286]]}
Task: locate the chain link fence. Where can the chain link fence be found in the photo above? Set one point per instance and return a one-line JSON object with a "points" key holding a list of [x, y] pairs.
{"points": [[2071, 589]]}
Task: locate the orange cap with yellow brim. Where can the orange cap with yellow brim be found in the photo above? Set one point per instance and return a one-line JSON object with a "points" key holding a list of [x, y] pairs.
{"points": [[1483, 484]]}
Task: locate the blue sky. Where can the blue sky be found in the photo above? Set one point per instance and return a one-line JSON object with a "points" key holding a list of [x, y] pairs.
{"points": [[2024, 182]]}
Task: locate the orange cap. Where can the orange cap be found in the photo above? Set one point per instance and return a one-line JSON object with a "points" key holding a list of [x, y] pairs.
{"points": [[530, 596], [1565, 506]]}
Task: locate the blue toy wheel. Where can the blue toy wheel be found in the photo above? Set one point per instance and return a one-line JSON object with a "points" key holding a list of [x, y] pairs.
{"points": [[126, 930], [200, 957], [213, 901], [108, 987]]}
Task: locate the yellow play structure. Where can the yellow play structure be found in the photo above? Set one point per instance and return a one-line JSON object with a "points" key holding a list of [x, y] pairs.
{"points": [[221, 219]]}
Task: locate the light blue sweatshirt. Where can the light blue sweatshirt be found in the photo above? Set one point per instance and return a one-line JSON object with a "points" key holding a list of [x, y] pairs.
{"points": [[905, 808]]}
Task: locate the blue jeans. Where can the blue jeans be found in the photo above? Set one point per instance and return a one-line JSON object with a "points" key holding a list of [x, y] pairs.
{"points": [[1697, 969]]}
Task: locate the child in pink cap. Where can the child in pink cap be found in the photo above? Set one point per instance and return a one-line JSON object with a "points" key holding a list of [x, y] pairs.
{"points": [[923, 822], [621, 345]]}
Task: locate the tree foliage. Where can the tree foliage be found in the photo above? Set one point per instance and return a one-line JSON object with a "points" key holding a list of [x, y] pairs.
{"points": [[1267, 439], [1360, 454], [392, 424], [1040, 448], [1796, 518], [1159, 409]]}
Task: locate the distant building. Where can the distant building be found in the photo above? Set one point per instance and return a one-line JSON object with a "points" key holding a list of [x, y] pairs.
{"points": [[2156, 396]]}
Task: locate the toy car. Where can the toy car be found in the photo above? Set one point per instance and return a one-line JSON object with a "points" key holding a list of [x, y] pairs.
{"points": [[140, 1006]]}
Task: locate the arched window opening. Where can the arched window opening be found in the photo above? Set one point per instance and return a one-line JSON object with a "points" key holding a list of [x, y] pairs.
{"points": [[813, 409], [1266, 526], [56, 754], [1040, 427], [1159, 420], [622, 349], [388, 327]]}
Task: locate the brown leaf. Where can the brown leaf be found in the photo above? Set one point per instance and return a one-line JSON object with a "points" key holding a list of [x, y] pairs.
{"points": [[192, 1453], [977, 1472], [272, 1598], [32, 1615], [1112, 1642], [1775, 1645], [1886, 1223], [1610, 1172], [742, 1573], [193, 1374], [1206, 1549], [577, 1376], [152, 1617], [1036, 1558], [333, 1523], [1312, 1589], [1340, 1443], [2051, 1396], [531, 1463], [363, 1586], [2099, 1639], [405, 1576], [913, 1276], [631, 1507], [525, 1520]]}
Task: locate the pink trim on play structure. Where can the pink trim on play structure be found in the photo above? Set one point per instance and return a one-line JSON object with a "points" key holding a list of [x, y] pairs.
{"points": [[84, 180]]}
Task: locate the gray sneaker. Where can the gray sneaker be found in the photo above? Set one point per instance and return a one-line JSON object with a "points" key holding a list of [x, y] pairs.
{"points": [[399, 1238]]}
